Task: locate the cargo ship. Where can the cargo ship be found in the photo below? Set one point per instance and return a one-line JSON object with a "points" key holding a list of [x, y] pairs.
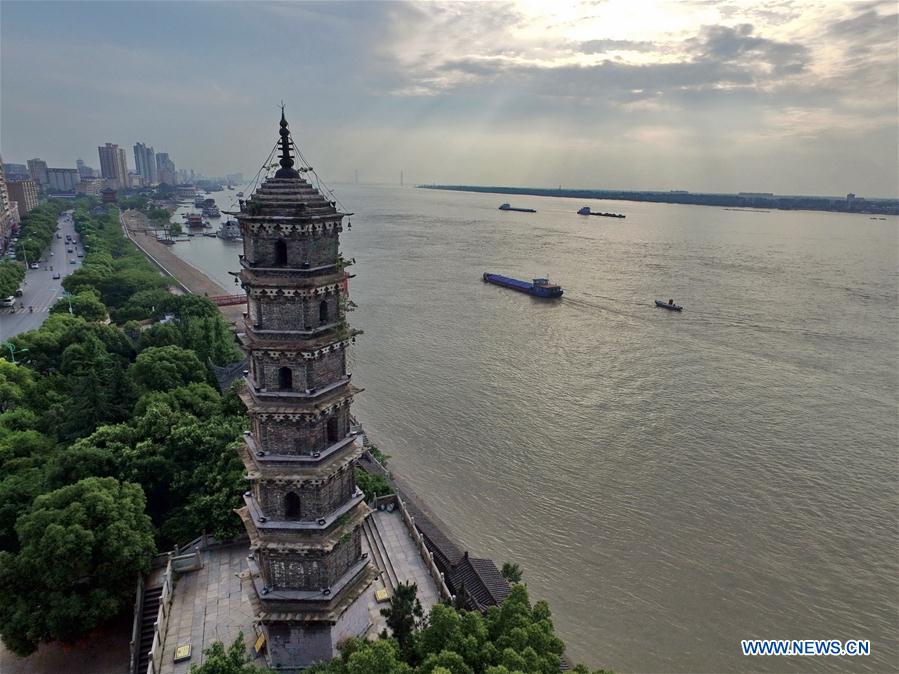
{"points": [[507, 207], [586, 211], [539, 287]]}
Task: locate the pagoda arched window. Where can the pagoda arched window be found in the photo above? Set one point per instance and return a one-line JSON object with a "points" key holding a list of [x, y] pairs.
{"points": [[285, 379], [323, 312], [280, 252], [291, 506]]}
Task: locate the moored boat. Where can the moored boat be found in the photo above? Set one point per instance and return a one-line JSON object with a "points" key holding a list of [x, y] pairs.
{"points": [[508, 207], [669, 305], [539, 287], [229, 231]]}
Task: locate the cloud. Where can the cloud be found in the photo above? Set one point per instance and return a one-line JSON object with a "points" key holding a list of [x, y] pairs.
{"points": [[738, 45], [608, 45]]}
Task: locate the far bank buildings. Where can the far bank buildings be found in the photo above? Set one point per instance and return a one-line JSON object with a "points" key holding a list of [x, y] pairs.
{"points": [[304, 512]]}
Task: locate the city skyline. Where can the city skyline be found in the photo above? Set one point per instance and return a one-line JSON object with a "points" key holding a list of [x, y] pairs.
{"points": [[788, 97]]}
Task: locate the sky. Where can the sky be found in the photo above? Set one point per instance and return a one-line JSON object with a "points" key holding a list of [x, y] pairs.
{"points": [[785, 96]]}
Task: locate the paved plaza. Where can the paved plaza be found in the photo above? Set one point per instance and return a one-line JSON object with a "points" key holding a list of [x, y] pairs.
{"points": [[213, 603]]}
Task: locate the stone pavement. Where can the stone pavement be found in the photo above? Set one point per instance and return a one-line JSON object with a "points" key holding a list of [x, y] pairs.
{"points": [[209, 605], [405, 557]]}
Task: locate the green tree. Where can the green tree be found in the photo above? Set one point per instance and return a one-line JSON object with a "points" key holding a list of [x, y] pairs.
{"points": [[232, 660], [11, 276], [511, 572], [372, 485], [160, 368], [380, 657], [96, 387], [16, 383], [404, 615], [81, 548], [86, 305]]}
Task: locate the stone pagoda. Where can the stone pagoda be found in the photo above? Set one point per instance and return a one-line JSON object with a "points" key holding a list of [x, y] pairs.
{"points": [[303, 512]]}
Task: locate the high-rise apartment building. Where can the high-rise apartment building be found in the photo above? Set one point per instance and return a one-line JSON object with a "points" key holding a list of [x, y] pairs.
{"points": [[37, 169], [24, 193], [62, 179], [145, 163], [165, 168], [113, 164], [6, 216]]}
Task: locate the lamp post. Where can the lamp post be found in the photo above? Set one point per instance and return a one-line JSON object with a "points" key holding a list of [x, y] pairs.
{"points": [[12, 350], [68, 297]]}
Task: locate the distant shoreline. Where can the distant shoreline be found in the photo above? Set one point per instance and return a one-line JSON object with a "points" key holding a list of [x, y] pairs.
{"points": [[856, 205]]}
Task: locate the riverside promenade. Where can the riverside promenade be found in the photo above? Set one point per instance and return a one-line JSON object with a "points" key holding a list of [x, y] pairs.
{"points": [[188, 278]]}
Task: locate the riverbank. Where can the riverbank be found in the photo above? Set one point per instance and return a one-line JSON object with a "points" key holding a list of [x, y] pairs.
{"points": [[188, 278], [745, 200]]}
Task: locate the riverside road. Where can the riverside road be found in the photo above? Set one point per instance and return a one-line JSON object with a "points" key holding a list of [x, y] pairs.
{"points": [[40, 290]]}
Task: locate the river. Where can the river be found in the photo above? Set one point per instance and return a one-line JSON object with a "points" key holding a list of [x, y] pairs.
{"points": [[670, 483]]}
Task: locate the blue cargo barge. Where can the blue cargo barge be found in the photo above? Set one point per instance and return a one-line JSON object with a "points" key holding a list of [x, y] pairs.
{"points": [[539, 287]]}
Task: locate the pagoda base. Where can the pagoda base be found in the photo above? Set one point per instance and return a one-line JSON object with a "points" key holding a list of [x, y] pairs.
{"points": [[293, 644]]}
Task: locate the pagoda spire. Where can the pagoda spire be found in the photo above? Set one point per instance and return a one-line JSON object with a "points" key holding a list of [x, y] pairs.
{"points": [[286, 170]]}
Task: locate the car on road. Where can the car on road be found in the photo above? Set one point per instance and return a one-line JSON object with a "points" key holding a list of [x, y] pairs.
{"points": [[8, 301], [80, 254], [34, 265], [58, 235], [69, 250], [55, 275], [72, 261], [19, 292]]}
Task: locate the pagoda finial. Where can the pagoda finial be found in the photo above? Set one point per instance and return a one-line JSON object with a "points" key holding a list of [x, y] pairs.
{"points": [[286, 170]]}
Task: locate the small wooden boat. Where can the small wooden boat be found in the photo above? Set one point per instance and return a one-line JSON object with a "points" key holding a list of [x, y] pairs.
{"points": [[669, 305]]}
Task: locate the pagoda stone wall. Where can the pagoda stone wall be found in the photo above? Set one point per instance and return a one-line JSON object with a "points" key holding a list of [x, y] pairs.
{"points": [[305, 373], [316, 500], [292, 437], [291, 313], [318, 250], [310, 571]]}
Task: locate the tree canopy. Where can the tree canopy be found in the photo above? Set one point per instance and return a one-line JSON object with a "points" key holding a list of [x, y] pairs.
{"points": [[11, 276], [220, 660], [79, 549], [160, 368], [513, 638]]}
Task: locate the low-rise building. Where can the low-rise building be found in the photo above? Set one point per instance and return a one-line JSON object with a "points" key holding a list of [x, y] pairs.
{"points": [[91, 186]]}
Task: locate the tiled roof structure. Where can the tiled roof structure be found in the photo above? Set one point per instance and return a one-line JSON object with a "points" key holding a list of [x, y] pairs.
{"points": [[479, 581]]}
